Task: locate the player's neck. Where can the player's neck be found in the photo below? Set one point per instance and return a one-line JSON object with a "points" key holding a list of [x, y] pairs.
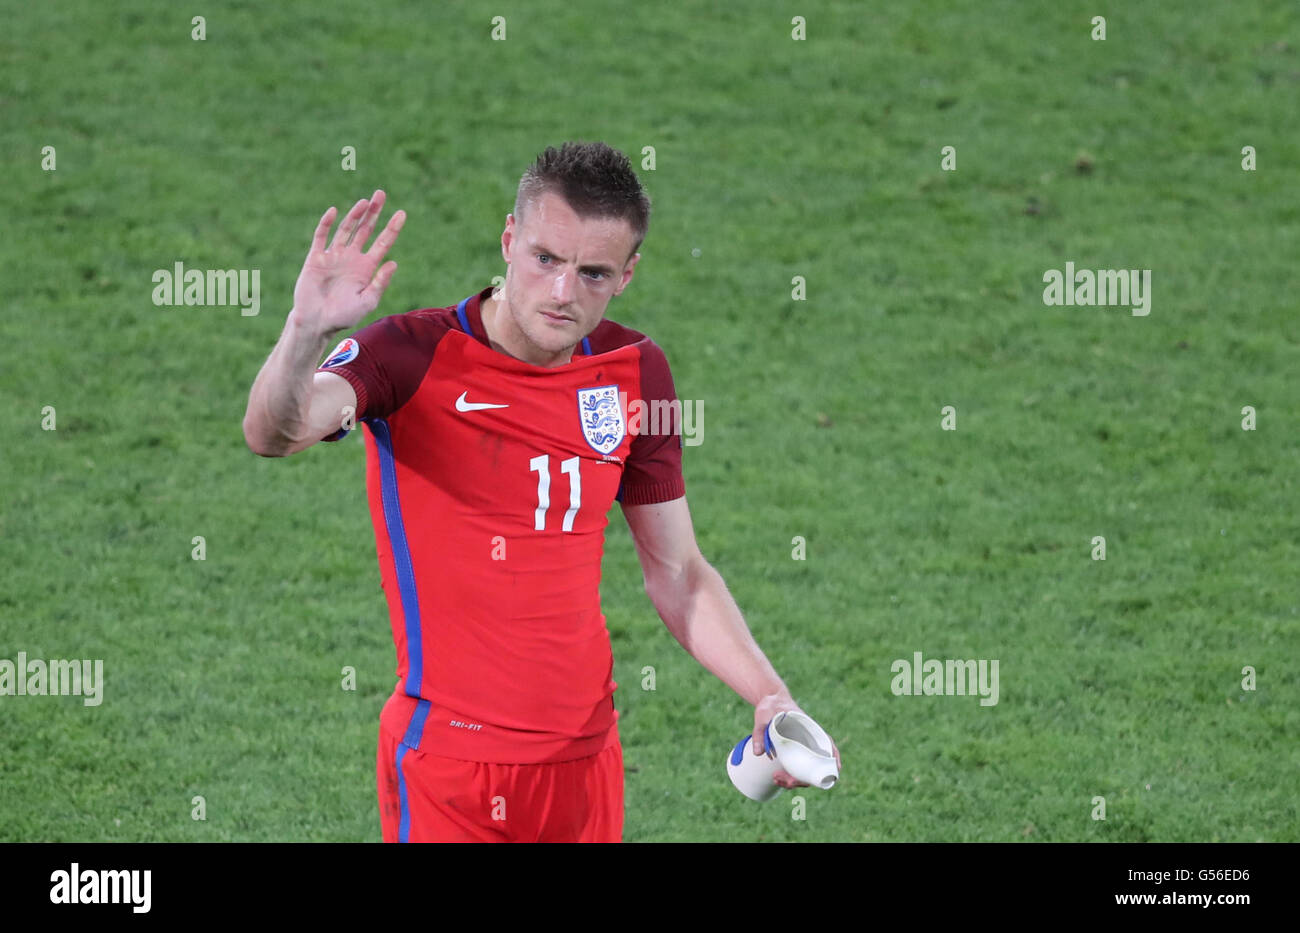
{"points": [[505, 338]]}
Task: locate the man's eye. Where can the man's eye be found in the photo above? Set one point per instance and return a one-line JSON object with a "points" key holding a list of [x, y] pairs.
{"points": [[542, 258], [597, 276]]}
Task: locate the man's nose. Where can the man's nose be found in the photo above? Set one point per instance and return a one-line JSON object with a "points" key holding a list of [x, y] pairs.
{"points": [[562, 288]]}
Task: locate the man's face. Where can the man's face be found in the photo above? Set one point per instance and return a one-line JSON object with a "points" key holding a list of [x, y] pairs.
{"points": [[562, 270]]}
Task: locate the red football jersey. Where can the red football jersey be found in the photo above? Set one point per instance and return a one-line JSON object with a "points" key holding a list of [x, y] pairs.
{"points": [[489, 481]]}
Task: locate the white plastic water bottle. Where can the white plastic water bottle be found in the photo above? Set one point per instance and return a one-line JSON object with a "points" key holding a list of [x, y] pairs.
{"points": [[793, 743]]}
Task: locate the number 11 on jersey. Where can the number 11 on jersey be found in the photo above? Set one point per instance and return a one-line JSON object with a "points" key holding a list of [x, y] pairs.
{"points": [[541, 466]]}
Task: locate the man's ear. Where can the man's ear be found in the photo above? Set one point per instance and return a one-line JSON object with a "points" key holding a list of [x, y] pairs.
{"points": [[627, 274], [507, 237]]}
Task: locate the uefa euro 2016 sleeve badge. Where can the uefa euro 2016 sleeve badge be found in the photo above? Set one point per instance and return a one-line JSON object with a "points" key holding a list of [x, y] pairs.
{"points": [[345, 352], [602, 418]]}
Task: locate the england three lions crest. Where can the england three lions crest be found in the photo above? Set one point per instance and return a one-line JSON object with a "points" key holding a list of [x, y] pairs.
{"points": [[602, 419]]}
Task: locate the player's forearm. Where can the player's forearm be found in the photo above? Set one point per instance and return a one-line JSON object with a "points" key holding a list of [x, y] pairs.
{"points": [[701, 614], [280, 400]]}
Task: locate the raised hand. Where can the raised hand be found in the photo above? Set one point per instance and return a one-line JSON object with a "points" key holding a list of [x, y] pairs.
{"points": [[340, 285]]}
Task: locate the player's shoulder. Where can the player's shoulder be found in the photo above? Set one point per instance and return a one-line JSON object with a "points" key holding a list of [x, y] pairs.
{"points": [[611, 335], [409, 334], [655, 375], [418, 322]]}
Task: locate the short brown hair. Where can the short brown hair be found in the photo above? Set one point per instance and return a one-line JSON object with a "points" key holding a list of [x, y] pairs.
{"points": [[594, 179]]}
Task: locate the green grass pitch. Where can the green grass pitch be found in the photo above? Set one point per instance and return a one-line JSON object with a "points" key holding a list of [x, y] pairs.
{"points": [[774, 158]]}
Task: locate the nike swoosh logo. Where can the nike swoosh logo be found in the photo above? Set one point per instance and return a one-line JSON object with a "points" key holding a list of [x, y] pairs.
{"points": [[462, 405]]}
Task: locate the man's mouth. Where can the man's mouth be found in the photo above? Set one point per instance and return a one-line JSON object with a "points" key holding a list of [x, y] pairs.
{"points": [[555, 316]]}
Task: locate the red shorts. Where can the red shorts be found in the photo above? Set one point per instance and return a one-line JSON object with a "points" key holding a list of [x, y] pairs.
{"points": [[425, 798]]}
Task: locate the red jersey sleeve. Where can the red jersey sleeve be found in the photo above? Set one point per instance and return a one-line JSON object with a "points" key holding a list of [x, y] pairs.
{"points": [[653, 472], [383, 362]]}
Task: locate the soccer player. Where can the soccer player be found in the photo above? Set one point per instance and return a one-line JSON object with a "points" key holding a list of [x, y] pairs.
{"points": [[500, 431]]}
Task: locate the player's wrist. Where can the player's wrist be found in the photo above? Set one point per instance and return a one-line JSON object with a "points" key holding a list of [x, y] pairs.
{"points": [[309, 324], [775, 699]]}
